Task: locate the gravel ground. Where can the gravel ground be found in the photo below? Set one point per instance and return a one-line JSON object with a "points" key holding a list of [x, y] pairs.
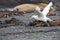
{"points": [[29, 32], [21, 33]]}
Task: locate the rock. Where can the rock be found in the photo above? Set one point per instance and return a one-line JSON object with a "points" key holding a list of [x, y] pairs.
{"points": [[5, 16], [7, 21], [1, 14], [37, 23], [11, 3], [57, 14], [25, 7], [31, 7], [0, 22], [56, 22], [14, 21]]}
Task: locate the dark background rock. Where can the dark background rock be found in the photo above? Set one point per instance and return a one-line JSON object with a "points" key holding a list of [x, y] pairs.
{"points": [[17, 2]]}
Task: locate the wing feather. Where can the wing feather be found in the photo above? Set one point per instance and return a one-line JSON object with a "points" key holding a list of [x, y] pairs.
{"points": [[37, 10], [46, 9]]}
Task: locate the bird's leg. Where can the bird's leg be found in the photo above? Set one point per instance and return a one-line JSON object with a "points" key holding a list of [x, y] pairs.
{"points": [[48, 23]]}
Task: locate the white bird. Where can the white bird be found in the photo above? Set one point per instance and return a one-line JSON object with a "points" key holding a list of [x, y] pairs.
{"points": [[42, 15]]}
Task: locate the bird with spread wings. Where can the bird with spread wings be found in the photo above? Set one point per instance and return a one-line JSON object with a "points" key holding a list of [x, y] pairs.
{"points": [[41, 15]]}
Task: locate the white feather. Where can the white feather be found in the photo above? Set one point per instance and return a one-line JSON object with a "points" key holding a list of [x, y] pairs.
{"points": [[46, 9], [42, 15]]}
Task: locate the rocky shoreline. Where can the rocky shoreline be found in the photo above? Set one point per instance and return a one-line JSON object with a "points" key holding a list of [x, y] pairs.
{"points": [[13, 21]]}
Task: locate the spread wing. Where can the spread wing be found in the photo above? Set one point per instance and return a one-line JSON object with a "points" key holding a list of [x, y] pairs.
{"points": [[46, 9], [37, 10]]}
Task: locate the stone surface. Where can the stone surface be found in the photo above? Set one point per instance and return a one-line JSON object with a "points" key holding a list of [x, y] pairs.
{"points": [[25, 7], [31, 7], [29, 32], [55, 22], [19, 33], [16, 2]]}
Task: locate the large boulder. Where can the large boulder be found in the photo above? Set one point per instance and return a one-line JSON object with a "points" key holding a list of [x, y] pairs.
{"points": [[31, 7], [25, 7], [12, 3]]}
